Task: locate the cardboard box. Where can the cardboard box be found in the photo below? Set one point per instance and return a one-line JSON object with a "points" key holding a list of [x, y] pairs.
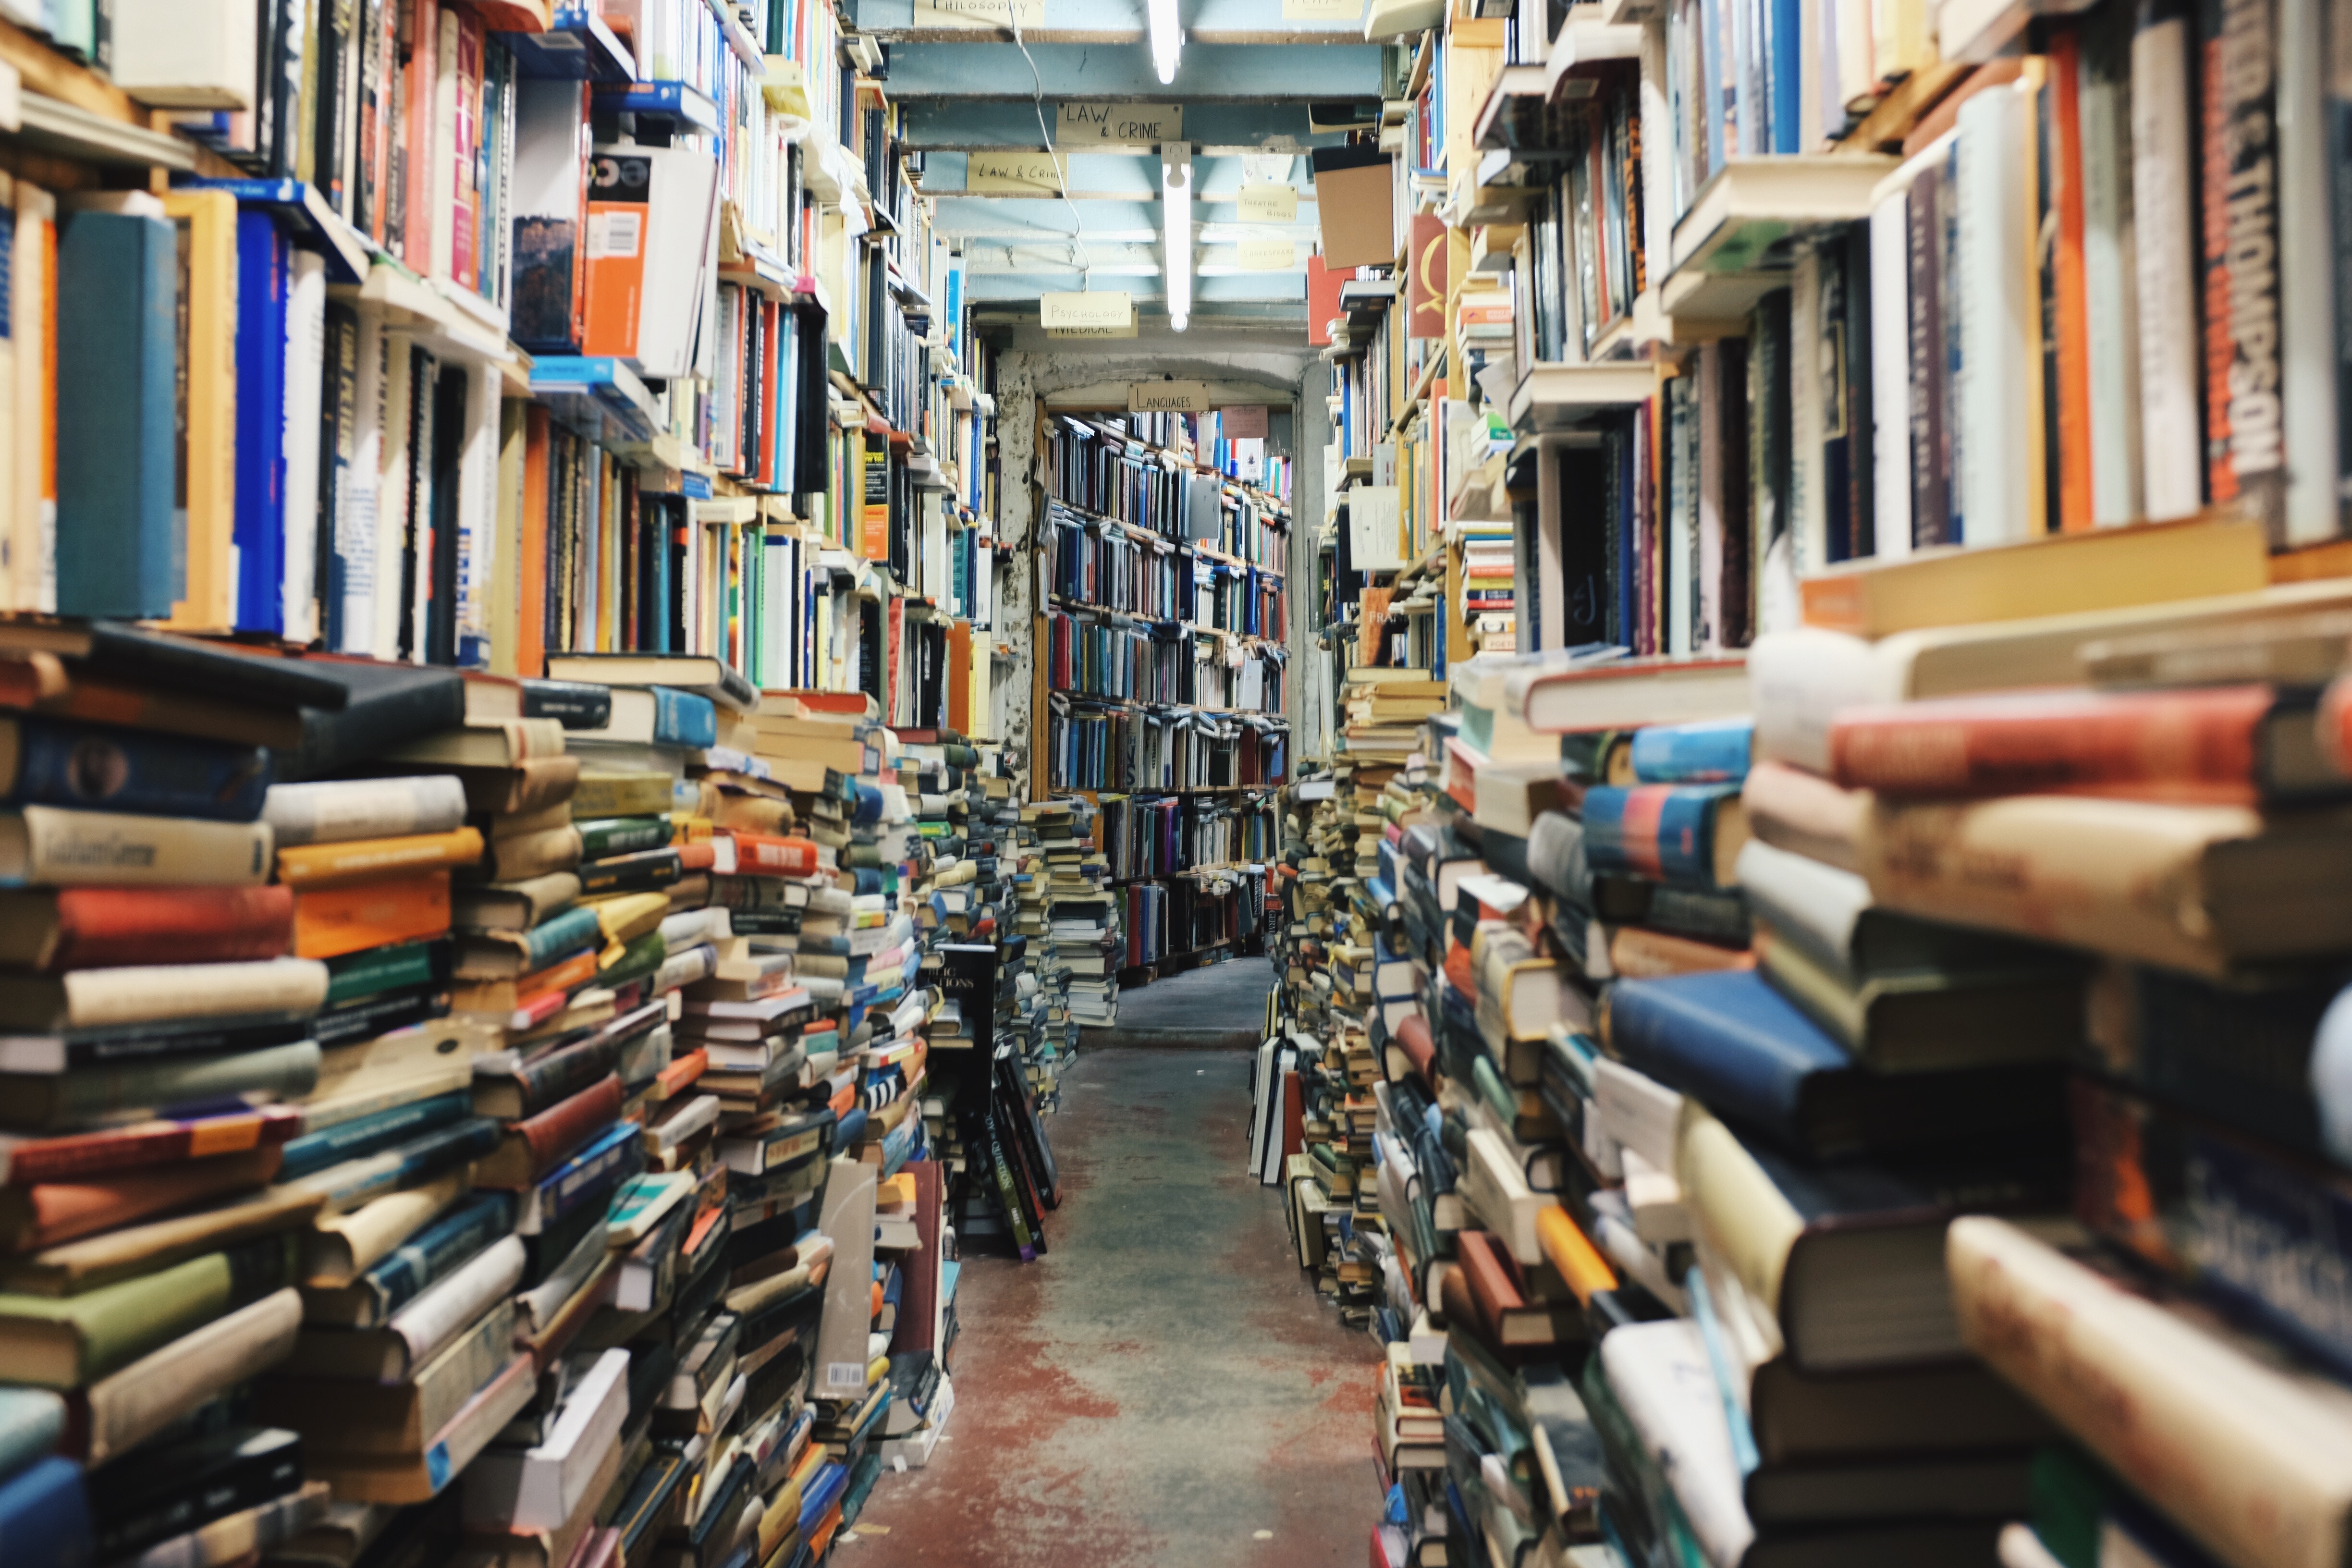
{"points": [[1353, 196]]}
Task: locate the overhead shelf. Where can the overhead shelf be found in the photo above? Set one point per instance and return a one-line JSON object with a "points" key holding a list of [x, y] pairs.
{"points": [[53, 125], [577, 46], [350, 254], [1744, 219], [1584, 49], [1559, 396]]}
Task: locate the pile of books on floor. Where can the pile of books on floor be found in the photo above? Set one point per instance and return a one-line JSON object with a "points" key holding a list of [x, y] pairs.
{"points": [[455, 1117], [1803, 1132]]}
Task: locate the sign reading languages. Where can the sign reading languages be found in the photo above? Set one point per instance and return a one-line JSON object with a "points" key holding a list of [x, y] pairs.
{"points": [[1168, 397]]}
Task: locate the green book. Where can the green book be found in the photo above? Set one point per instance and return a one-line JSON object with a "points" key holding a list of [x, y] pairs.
{"points": [[87, 1095], [600, 836], [378, 970], [605, 793], [67, 1342]]}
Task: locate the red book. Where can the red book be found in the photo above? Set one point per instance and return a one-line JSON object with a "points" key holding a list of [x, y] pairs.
{"points": [[697, 855], [2226, 745], [763, 853], [918, 1302], [55, 930], [28, 1159], [534, 1146], [1293, 1116], [1411, 1037], [33, 1218]]}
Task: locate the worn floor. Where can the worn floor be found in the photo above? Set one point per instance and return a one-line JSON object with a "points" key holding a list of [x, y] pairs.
{"points": [[1163, 1387], [1220, 1006]]}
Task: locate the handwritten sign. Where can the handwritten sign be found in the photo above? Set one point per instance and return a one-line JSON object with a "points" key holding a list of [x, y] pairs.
{"points": [[1018, 174], [1268, 254], [1269, 203], [970, 13], [1245, 422], [1168, 397], [1309, 11], [1128, 331], [1120, 124], [1103, 308]]}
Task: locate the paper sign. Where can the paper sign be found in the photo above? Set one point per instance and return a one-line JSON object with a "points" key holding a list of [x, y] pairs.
{"points": [[1019, 173], [979, 13], [1095, 307], [1168, 397], [1268, 254], [1317, 11], [1128, 331], [1120, 124], [1424, 291], [1245, 422], [1269, 203]]}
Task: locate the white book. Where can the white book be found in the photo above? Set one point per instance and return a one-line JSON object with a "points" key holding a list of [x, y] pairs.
{"points": [[2111, 289], [478, 568], [1890, 373], [1996, 320], [356, 541], [2307, 347], [2165, 249], [306, 353], [1808, 518], [185, 54], [1662, 1378], [538, 1488], [428, 1323], [343, 809]]}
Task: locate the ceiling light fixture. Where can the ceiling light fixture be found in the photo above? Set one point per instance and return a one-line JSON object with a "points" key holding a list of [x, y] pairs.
{"points": [[1176, 208], [1166, 39]]}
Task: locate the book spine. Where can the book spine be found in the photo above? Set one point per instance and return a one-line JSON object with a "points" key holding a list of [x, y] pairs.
{"points": [[26, 1161], [2188, 739], [2164, 247], [609, 1160], [367, 1135], [761, 854], [347, 1185], [433, 1253], [117, 928], [96, 769], [119, 1412], [280, 1072], [342, 810], [1931, 512], [428, 1323], [565, 1073], [318, 865], [560, 1129], [558, 937], [622, 835], [638, 871], [2246, 458], [116, 849]]}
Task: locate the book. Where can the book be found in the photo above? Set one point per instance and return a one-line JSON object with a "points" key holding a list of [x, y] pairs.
{"points": [[704, 677], [413, 1335], [654, 716], [45, 1513], [1626, 693], [575, 704], [1733, 1042], [2058, 574], [87, 767], [115, 296], [503, 743], [617, 793], [431, 1252], [123, 1410], [541, 1486], [51, 930], [353, 1182], [363, 1135], [346, 809], [341, 1247], [2250, 888], [329, 922], [2240, 1449], [192, 1483], [518, 906], [1706, 752], [71, 1268], [153, 993], [53, 845], [67, 1342], [1683, 835], [348, 861], [527, 786], [344, 1415], [388, 1480], [530, 1147], [136, 1090], [2224, 745]]}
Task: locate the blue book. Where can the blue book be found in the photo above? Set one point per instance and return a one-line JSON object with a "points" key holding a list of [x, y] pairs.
{"points": [[607, 1160], [432, 1254], [408, 1164], [1663, 833], [44, 1517], [367, 1134], [1714, 750], [264, 278], [93, 768], [121, 546], [1750, 1056], [683, 719], [1784, 21], [31, 1422], [553, 937]]}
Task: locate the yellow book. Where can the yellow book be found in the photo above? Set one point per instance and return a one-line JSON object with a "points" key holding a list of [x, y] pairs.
{"points": [[374, 859], [206, 223]]}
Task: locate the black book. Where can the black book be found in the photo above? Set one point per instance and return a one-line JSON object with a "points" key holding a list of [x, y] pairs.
{"points": [[377, 706], [576, 704], [170, 1491]]}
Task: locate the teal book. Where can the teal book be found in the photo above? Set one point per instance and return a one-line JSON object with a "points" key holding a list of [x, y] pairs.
{"points": [[121, 546], [31, 1422]]}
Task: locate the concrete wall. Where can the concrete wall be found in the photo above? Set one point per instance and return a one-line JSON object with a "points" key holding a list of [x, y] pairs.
{"points": [[1097, 374]]}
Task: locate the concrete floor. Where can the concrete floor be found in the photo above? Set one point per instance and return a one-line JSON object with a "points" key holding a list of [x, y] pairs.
{"points": [[1219, 1007], [1163, 1386]]}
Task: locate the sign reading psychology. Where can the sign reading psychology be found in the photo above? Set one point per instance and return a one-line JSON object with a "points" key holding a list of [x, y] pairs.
{"points": [[1094, 308], [973, 14], [1168, 397], [1120, 124]]}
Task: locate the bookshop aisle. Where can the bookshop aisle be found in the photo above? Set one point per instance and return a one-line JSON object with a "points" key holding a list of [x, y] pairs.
{"points": [[1162, 1387]]}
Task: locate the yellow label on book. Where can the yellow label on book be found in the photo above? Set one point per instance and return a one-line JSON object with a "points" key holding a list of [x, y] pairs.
{"points": [[1093, 308], [1268, 254], [1120, 124], [967, 14], [1017, 174], [1168, 397], [1269, 203]]}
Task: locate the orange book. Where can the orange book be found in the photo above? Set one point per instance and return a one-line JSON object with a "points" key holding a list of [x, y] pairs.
{"points": [[959, 677], [2072, 315], [372, 860], [331, 922], [530, 632], [42, 1215], [418, 117]]}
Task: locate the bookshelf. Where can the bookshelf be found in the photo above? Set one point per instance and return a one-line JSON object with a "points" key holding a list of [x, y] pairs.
{"points": [[1704, 337], [1163, 667]]}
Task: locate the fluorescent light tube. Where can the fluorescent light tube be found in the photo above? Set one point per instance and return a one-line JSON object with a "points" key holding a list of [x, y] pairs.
{"points": [[1176, 209]]}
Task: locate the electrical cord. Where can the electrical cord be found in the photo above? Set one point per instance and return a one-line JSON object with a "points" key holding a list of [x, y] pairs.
{"points": [[1061, 179]]}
